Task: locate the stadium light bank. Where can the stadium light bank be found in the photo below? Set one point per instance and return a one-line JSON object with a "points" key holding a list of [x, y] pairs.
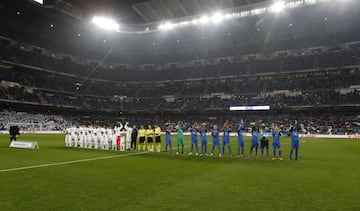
{"points": [[218, 17], [106, 23], [215, 18]]}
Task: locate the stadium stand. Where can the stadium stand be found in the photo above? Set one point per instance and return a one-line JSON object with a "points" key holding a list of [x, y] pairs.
{"points": [[305, 66]]}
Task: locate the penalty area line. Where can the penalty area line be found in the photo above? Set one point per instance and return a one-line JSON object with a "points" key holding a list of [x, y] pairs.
{"points": [[69, 162]]}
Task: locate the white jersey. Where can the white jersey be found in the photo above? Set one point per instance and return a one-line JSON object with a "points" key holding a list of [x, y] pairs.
{"points": [[113, 139], [118, 129], [128, 133]]}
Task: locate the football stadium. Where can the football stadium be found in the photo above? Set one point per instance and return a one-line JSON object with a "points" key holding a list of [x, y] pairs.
{"points": [[180, 104]]}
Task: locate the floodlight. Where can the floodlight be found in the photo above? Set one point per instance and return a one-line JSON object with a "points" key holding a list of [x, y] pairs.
{"points": [[39, 1], [278, 6], [217, 17], [204, 19], [195, 21], [228, 16], [166, 26], [106, 23]]}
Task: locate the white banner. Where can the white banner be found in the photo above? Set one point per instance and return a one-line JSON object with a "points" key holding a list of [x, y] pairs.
{"points": [[24, 145]]}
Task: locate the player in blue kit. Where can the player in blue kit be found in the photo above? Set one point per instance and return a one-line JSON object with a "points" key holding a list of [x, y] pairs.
{"points": [[216, 141], [203, 139], [226, 138], [294, 132], [264, 143], [254, 140], [240, 130], [169, 129], [276, 142], [194, 139]]}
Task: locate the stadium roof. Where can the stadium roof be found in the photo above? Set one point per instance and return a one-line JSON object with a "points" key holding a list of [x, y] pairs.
{"points": [[147, 11]]}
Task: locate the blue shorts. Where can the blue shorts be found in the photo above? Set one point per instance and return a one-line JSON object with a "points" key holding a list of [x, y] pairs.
{"points": [[204, 142], [255, 144], [276, 145], [226, 142], [241, 143], [168, 141], [216, 143], [193, 142], [264, 144], [295, 145]]}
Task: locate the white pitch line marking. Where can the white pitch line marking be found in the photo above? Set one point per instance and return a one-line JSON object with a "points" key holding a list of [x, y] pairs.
{"points": [[69, 162]]}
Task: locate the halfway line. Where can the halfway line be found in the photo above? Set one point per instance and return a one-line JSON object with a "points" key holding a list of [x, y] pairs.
{"points": [[69, 162]]}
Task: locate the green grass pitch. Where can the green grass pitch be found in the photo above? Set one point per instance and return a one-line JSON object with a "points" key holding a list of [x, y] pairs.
{"points": [[327, 177]]}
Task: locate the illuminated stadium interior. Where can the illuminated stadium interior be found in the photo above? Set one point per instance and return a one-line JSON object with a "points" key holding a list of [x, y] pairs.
{"points": [[179, 105], [161, 57]]}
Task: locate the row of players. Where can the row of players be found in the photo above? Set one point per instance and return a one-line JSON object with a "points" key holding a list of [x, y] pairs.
{"points": [[255, 133], [121, 137], [125, 138]]}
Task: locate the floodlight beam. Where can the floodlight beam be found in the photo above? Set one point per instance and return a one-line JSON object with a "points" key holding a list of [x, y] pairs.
{"points": [[278, 6], [106, 23]]}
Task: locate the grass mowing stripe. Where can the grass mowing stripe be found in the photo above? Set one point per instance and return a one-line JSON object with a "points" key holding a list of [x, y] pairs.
{"points": [[73, 161], [69, 162]]}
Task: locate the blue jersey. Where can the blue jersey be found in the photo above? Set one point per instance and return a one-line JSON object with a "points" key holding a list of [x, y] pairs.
{"points": [[254, 136], [203, 134], [215, 135], [226, 137], [240, 133], [194, 137], [276, 137], [167, 134], [295, 136], [295, 128]]}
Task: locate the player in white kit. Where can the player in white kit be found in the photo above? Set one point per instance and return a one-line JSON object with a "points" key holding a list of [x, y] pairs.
{"points": [[67, 137], [81, 138], [113, 141], [96, 139], [128, 135]]}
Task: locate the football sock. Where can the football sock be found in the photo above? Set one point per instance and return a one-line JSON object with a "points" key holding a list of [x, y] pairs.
{"points": [[256, 150], [262, 153], [275, 153], [238, 150], [229, 149], [291, 153], [251, 150], [223, 150], [279, 153], [296, 154], [242, 150], [170, 147], [267, 153], [192, 147], [182, 148]]}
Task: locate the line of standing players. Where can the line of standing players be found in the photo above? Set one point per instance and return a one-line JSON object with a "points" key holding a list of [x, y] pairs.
{"points": [[126, 137], [215, 133]]}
